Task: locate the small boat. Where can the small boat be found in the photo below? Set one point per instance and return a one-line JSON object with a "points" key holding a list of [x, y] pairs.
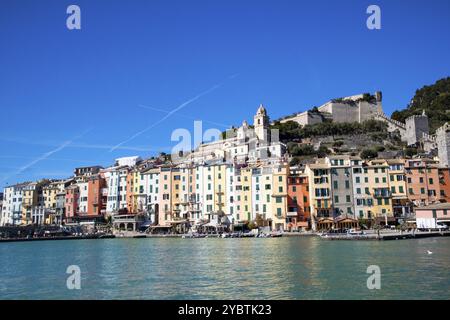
{"points": [[276, 235]]}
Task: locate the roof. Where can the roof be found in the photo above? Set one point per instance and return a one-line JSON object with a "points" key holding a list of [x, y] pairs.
{"points": [[436, 206]]}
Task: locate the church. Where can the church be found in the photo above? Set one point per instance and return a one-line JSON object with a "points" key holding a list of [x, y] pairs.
{"points": [[247, 144]]}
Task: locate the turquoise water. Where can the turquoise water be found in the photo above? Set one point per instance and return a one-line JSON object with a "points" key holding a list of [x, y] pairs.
{"points": [[276, 268]]}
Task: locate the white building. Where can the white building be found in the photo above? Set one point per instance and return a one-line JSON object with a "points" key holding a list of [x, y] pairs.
{"points": [[83, 197], [116, 180], [127, 161], [245, 144], [12, 205]]}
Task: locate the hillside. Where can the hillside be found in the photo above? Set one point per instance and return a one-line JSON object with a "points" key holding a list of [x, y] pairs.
{"points": [[434, 99], [368, 139]]}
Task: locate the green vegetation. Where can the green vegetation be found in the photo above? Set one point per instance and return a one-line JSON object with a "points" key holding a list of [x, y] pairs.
{"points": [[367, 97], [292, 131], [410, 152], [434, 99], [369, 153]]}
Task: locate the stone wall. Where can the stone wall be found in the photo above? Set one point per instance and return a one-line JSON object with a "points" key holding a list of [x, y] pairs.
{"points": [[443, 143], [416, 126]]}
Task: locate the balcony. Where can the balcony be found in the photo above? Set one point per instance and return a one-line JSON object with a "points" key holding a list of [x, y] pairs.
{"points": [[382, 193], [292, 213]]}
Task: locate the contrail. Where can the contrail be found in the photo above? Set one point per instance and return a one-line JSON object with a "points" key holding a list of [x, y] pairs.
{"points": [[184, 116], [84, 146], [137, 134], [46, 155]]}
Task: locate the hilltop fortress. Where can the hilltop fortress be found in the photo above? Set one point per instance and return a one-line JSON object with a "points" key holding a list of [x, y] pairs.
{"points": [[258, 143], [357, 108]]}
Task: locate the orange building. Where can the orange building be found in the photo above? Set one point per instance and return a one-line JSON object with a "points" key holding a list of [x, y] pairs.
{"points": [[96, 199], [298, 215], [422, 181], [72, 197], [444, 184], [130, 192]]}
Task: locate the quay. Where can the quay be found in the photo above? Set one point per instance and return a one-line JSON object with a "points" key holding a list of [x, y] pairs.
{"points": [[82, 237], [371, 235], [386, 235]]}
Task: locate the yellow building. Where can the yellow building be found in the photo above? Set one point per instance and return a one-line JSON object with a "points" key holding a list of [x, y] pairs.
{"points": [[279, 196], [377, 171], [29, 200], [220, 188], [397, 186], [319, 178], [246, 194]]}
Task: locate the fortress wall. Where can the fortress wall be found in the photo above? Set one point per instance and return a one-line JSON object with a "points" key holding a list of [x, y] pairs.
{"points": [[344, 112], [443, 144]]}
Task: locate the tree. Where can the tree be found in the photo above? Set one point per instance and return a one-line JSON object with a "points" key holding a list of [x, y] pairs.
{"points": [[369, 153], [434, 99], [295, 161]]}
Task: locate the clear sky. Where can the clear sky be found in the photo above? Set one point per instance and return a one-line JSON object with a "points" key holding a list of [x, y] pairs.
{"points": [[72, 98]]}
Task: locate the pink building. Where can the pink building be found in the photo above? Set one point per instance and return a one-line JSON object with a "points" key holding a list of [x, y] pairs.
{"points": [[432, 215], [72, 197]]}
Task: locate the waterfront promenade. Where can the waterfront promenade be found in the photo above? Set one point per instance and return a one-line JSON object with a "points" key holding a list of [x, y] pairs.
{"points": [[367, 235]]}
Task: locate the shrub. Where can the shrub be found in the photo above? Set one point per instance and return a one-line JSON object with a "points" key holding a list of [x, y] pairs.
{"points": [[369, 153]]}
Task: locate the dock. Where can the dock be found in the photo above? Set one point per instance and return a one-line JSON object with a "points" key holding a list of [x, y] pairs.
{"points": [[386, 235]]}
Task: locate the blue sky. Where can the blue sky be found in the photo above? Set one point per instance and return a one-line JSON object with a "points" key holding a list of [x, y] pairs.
{"points": [[68, 96]]}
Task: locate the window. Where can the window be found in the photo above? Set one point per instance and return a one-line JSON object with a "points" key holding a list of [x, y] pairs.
{"points": [[400, 189], [358, 179], [279, 212], [386, 201], [358, 190], [347, 184], [347, 198], [278, 200], [336, 199], [430, 180], [335, 184], [377, 180]]}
